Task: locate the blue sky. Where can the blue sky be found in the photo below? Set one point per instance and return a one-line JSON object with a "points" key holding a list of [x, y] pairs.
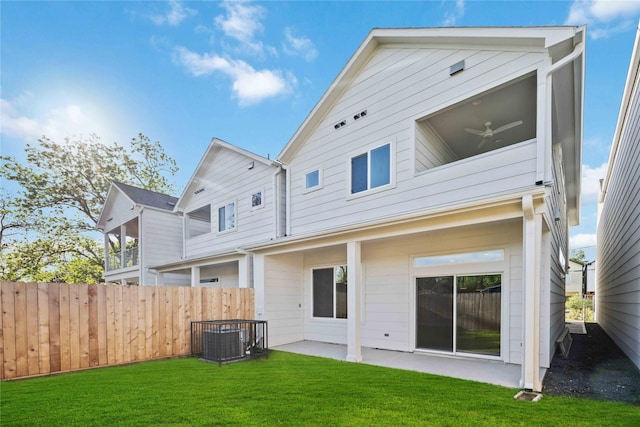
{"points": [[250, 72]]}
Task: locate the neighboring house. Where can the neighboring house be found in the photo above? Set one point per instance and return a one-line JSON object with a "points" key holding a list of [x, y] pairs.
{"points": [[618, 271], [573, 281], [234, 198], [422, 206], [140, 230]]}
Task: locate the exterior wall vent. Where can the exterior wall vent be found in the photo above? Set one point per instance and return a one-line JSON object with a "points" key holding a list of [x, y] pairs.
{"points": [[456, 68]]}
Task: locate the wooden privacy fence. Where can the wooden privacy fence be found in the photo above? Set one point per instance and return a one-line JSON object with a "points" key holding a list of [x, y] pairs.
{"points": [[50, 327]]}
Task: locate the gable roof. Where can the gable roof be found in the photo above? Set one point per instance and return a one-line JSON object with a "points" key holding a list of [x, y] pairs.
{"points": [[138, 196], [149, 198], [214, 147], [559, 40]]}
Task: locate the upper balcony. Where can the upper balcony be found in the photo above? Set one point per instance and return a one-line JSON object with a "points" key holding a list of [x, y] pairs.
{"points": [[123, 247], [503, 116]]}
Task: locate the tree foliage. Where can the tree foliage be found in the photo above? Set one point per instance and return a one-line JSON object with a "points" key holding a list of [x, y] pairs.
{"points": [[48, 227], [577, 255]]}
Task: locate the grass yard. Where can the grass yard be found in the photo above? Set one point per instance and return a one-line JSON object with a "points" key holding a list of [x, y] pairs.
{"points": [[285, 389]]}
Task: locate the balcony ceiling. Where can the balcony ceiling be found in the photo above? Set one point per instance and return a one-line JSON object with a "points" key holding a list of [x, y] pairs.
{"points": [[515, 101]]}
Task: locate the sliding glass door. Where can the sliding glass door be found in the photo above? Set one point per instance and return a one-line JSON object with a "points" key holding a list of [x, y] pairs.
{"points": [[459, 313]]}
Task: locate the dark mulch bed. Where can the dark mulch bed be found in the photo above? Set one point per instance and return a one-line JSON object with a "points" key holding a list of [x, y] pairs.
{"points": [[595, 368]]}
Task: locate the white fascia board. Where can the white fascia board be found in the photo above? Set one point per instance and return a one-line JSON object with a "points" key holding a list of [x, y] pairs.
{"points": [[111, 194]]}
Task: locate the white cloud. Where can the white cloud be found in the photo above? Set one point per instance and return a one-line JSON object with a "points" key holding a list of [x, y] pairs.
{"points": [[242, 22], [591, 177], [450, 18], [582, 241], [299, 45], [55, 123], [250, 86], [175, 15], [604, 17]]}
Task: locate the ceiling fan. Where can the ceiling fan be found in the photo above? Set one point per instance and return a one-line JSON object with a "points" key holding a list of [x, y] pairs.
{"points": [[488, 133]]}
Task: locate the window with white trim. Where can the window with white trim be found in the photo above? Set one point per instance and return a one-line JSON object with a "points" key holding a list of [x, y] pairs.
{"points": [[329, 290], [312, 180], [257, 200], [227, 217], [371, 169]]}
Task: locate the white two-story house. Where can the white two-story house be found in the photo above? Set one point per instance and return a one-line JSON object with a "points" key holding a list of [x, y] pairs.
{"points": [[422, 206]]}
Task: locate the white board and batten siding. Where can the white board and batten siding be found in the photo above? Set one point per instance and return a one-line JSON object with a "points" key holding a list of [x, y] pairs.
{"points": [[227, 179], [617, 291], [397, 87]]}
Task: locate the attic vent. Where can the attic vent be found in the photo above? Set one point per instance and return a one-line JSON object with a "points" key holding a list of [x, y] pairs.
{"points": [[198, 191], [339, 125], [456, 68], [359, 115]]}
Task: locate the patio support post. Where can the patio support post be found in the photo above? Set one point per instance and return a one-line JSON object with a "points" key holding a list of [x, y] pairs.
{"points": [[195, 276], [354, 286], [243, 272], [532, 244]]}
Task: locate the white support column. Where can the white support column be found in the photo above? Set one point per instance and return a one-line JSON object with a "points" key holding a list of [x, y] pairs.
{"points": [[160, 279], [123, 246], [532, 245], [354, 286], [243, 272], [195, 277], [259, 285]]}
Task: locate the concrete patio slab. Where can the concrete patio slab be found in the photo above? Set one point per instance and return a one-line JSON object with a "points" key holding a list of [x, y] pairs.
{"points": [[482, 370]]}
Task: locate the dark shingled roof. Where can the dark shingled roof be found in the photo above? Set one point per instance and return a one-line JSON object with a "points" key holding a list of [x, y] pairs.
{"points": [[149, 198]]}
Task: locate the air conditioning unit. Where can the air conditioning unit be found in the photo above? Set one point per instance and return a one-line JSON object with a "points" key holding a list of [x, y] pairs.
{"points": [[219, 345]]}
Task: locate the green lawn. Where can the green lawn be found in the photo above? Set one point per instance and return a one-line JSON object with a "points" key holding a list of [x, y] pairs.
{"points": [[285, 389]]}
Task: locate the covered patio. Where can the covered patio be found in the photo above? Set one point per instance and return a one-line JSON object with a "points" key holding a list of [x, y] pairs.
{"points": [[482, 370]]}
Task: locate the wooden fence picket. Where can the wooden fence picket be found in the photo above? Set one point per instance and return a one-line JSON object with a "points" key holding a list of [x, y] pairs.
{"points": [[55, 327]]}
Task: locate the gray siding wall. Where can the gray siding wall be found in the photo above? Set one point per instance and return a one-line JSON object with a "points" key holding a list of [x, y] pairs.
{"points": [[618, 267], [227, 179], [397, 87]]}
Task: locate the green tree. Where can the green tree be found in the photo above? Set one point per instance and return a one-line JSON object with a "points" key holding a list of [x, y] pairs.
{"points": [[577, 255], [48, 228]]}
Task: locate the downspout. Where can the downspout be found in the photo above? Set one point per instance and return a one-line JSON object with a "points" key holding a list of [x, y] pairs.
{"points": [[287, 191], [544, 171], [276, 204], [140, 245]]}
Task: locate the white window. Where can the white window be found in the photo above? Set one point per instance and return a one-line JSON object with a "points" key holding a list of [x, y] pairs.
{"points": [[330, 292], [199, 221], [256, 200], [460, 258], [313, 180], [227, 217], [371, 169]]}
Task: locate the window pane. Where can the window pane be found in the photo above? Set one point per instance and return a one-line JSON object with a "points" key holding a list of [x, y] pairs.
{"points": [[313, 179], [341, 292], [231, 216], [483, 256], [359, 173], [323, 292], [221, 219], [256, 199], [478, 314], [381, 166], [434, 317]]}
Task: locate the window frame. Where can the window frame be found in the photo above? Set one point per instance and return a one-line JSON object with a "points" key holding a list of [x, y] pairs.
{"points": [[369, 189], [235, 217], [316, 187], [261, 205], [334, 308]]}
